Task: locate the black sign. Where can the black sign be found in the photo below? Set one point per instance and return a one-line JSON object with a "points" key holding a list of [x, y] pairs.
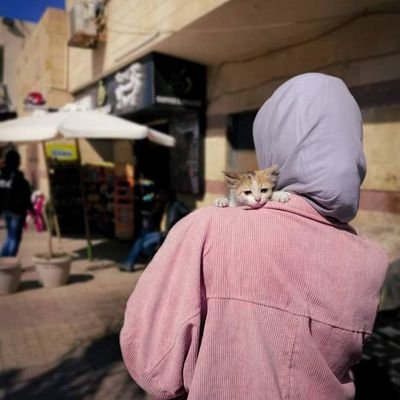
{"points": [[156, 81], [178, 82], [130, 89]]}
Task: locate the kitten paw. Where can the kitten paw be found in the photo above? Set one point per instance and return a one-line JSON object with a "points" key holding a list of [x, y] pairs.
{"points": [[221, 202], [281, 196]]}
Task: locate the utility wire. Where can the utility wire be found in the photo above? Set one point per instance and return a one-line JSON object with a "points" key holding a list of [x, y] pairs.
{"points": [[285, 77], [281, 49]]}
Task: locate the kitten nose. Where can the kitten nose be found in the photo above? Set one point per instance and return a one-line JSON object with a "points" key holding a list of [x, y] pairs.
{"points": [[258, 199]]}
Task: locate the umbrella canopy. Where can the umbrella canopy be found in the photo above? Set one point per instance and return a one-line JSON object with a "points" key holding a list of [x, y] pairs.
{"points": [[77, 124], [31, 128]]}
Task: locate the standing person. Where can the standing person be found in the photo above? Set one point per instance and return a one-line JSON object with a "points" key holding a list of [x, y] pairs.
{"points": [[274, 303], [15, 201]]}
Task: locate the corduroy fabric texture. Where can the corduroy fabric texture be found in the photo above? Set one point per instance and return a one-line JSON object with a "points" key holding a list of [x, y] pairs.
{"points": [[241, 304]]}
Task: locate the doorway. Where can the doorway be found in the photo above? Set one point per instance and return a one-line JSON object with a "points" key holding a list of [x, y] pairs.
{"points": [[152, 160]]}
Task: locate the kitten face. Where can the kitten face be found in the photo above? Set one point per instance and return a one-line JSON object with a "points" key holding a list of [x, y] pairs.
{"points": [[252, 188]]}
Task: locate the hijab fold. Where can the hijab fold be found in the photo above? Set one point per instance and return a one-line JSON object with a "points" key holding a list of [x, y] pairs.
{"points": [[311, 127]]}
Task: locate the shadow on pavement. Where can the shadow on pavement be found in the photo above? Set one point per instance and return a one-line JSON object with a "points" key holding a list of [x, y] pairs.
{"points": [[373, 382], [95, 371], [107, 251], [31, 284], [101, 265], [377, 376], [92, 372], [79, 278]]}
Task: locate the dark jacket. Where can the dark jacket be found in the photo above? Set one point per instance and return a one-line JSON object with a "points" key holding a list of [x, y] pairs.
{"points": [[15, 193]]}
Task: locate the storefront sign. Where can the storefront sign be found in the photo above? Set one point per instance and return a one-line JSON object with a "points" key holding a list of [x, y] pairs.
{"points": [[129, 86], [101, 95], [61, 151], [153, 82], [179, 82], [124, 92]]}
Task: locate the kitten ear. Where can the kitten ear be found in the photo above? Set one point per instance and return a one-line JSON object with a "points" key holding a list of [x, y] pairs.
{"points": [[272, 173], [231, 178]]}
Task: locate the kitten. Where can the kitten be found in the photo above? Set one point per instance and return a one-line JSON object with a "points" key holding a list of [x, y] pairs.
{"points": [[253, 189]]}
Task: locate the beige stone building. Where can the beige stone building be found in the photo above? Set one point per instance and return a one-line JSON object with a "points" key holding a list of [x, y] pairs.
{"points": [[248, 49], [41, 66], [14, 34]]}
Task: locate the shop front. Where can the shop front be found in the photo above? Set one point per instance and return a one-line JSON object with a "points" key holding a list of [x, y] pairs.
{"points": [[64, 180], [68, 177], [168, 95]]}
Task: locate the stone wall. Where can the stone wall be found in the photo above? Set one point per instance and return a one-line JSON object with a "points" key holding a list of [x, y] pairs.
{"points": [[41, 66], [12, 41]]}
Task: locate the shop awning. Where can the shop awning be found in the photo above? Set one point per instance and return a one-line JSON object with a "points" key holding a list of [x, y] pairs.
{"points": [[77, 124]]}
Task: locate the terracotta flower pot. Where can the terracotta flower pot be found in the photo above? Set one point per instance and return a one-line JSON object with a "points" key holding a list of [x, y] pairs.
{"points": [[53, 272], [10, 273]]}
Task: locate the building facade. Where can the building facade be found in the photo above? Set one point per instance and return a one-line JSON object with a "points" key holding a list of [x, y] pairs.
{"points": [[14, 34], [41, 66], [249, 48]]}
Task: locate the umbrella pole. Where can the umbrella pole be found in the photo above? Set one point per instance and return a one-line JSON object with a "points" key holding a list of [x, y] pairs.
{"points": [[89, 249], [51, 201]]}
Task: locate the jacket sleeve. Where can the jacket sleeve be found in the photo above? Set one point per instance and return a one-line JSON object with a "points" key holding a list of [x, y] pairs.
{"points": [[161, 334]]}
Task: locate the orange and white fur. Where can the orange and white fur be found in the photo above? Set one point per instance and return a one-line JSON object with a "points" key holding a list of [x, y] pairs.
{"points": [[253, 189]]}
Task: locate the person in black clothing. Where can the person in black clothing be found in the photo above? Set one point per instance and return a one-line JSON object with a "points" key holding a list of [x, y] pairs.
{"points": [[15, 201]]}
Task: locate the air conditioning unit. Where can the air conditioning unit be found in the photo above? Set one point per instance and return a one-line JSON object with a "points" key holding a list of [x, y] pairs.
{"points": [[83, 27]]}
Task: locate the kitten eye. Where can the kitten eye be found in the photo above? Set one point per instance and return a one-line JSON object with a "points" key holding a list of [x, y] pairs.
{"points": [[247, 192], [264, 190]]}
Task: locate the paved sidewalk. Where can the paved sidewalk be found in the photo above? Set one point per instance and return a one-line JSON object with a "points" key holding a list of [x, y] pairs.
{"points": [[62, 343]]}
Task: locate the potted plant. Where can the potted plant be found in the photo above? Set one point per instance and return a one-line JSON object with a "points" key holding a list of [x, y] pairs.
{"points": [[53, 268]]}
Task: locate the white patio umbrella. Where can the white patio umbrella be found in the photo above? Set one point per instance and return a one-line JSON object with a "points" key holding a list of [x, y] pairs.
{"points": [[73, 123], [77, 124]]}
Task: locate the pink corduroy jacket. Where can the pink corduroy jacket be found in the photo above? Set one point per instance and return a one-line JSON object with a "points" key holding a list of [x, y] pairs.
{"points": [[245, 304]]}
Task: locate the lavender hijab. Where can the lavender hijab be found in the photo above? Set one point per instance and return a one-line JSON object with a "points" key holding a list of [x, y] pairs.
{"points": [[311, 127]]}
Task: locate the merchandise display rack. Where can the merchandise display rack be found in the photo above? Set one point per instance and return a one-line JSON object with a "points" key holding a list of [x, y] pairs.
{"points": [[99, 194], [65, 184]]}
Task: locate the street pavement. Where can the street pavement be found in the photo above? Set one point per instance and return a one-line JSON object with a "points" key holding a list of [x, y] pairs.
{"points": [[62, 343]]}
